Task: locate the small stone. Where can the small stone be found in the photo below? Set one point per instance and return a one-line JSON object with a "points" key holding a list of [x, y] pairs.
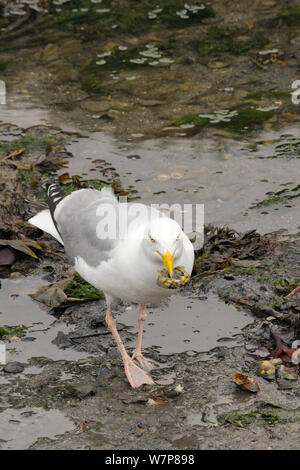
{"points": [[50, 53], [96, 106], [13, 368], [217, 64], [291, 377], [190, 353], [276, 361], [85, 390], [85, 360], [15, 275], [62, 341], [28, 338]]}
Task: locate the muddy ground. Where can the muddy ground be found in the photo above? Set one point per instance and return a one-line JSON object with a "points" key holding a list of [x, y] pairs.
{"points": [[202, 115]]}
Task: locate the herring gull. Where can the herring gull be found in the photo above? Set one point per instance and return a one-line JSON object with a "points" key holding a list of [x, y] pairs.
{"points": [[122, 266]]}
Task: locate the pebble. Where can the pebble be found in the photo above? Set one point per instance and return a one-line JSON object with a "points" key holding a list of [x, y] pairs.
{"points": [[62, 341], [191, 353], [13, 368], [15, 275]]}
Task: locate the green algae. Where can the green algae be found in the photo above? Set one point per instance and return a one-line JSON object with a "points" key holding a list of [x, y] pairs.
{"points": [[278, 197], [133, 20], [292, 16], [30, 143], [264, 415], [120, 58], [80, 289], [289, 149], [9, 331], [234, 41], [242, 118], [259, 95]]}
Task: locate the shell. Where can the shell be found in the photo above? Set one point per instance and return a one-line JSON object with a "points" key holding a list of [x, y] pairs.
{"points": [[245, 382], [266, 370]]}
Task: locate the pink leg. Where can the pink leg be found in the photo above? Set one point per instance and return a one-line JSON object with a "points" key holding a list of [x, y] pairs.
{"points": [[137, 354], [295, 291], [134, 374]]}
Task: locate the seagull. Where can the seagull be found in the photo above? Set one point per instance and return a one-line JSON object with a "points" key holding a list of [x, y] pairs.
{"points": [[124, 265]]}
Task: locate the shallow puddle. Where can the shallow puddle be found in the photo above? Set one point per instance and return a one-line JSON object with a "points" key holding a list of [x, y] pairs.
{"points": [[20, 428], [209, 171], [199, 170], [17, 308], [190, 324]]}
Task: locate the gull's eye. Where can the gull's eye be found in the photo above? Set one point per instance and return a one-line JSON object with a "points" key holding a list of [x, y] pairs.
{"points": [[178, 238], [152, 239]]}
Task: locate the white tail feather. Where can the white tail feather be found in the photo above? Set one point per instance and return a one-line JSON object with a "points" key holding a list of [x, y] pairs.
{"points": [[43, 221], [107, 191]]}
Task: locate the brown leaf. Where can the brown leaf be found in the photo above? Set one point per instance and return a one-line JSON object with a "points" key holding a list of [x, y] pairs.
{"points": [[13, 154], [282, 350], [22, 245], [63, 178]]}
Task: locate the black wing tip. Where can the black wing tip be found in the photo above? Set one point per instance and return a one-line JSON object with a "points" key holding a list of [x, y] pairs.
{"points": [[55, 196]]}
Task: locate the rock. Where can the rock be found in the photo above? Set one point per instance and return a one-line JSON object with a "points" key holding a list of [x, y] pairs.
{"points": [[66, 75], [246, 263], [218, 64], [173, 392], [291, 377], [191, 353], [83, 361], [150, 103], [105, 374], [15, 275], [51, 296], [120, 105], [96, 106], [71, 47], [62, 341], [50, 53], [84, 390], [28, 338], [13, 368]]}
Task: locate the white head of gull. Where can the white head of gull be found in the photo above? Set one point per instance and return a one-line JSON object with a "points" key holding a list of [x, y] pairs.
{"points": [[123, 267]]}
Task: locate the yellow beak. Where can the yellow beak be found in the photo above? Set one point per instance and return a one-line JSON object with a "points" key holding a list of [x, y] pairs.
{"points": [[168, 262]]}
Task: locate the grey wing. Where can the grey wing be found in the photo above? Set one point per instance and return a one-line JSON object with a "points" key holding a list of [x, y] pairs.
{"points": [[78, 218]]}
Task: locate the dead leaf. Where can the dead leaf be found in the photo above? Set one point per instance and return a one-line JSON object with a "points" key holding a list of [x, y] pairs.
{"points": [[282, 350], [13, 154], [63, 178], [24, 246]]}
